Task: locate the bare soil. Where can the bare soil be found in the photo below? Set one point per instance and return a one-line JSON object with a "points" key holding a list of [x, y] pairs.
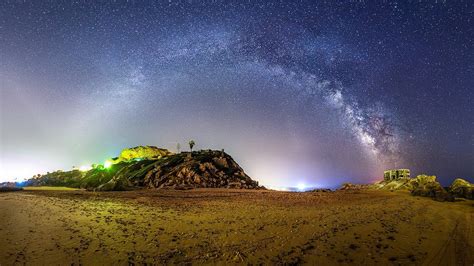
{"points": [[214, 226]]}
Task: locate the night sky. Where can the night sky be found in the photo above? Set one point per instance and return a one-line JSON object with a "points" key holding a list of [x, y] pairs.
{"points": [[298, 93]]}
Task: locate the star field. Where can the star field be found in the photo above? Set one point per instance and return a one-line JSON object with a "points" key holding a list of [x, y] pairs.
{"points": [[314, 93]]}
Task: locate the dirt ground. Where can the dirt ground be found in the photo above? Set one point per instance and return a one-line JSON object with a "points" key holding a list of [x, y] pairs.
{"points": [[211, 226]]}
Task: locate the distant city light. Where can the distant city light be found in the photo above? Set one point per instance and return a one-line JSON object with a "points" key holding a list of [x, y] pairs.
{"points": [[301, 186]]}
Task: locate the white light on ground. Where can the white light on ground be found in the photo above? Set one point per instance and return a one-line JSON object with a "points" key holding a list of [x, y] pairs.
{"points": [[301, 186]]}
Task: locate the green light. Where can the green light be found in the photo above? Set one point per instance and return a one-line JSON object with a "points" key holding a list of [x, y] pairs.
{"points": [[107, 164]]}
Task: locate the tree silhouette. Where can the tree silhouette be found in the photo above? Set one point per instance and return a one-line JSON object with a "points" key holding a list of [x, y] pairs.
{"points": [[178, 147], [191, 145]]}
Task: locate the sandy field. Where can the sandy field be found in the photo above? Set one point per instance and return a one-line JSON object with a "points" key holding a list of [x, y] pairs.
{"points": [[212, 226]]}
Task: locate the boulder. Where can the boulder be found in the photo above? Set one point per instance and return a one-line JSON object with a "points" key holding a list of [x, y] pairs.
{"points": [[142, 152], [427, 186], [425, 179], [398, 184], [461, 188]]}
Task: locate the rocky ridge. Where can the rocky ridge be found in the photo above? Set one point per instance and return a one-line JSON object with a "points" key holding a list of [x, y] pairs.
{"points": [[422, 185]]}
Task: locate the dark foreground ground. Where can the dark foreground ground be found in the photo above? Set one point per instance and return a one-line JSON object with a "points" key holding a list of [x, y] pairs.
{"points": [[211, 226]]}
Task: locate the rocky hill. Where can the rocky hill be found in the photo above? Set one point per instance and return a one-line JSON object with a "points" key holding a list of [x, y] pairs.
{"points": [[151, 167], [422, 185]]}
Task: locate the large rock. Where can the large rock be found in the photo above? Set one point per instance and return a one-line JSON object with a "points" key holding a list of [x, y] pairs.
{"points": [[398, 184], [425, 179], [460, 188], [204, 169], [427, 186], [422, 185], [142, 152]]}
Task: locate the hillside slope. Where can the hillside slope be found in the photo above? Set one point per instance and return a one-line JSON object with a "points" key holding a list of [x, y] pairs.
{"points": [[201, 169]]}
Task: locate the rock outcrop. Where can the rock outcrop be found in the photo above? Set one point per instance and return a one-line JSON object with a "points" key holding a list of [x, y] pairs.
{"points": [[399, 184], [145, 169], [207, 169], [460, 188], [141, 152], [422, 185], [427, 186], [350, 186]]}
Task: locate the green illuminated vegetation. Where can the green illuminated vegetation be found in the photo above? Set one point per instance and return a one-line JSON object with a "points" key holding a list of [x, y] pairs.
{"points": [[50, 188]]}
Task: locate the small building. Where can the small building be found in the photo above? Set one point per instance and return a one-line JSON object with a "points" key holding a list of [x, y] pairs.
{"points": [[396, 174]]}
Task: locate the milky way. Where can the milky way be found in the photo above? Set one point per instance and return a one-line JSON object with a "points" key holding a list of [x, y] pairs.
{"points": [[296, 92]]}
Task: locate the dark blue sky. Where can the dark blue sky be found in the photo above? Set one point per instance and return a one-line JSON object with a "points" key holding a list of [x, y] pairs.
{"points": [[314, 93]]}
